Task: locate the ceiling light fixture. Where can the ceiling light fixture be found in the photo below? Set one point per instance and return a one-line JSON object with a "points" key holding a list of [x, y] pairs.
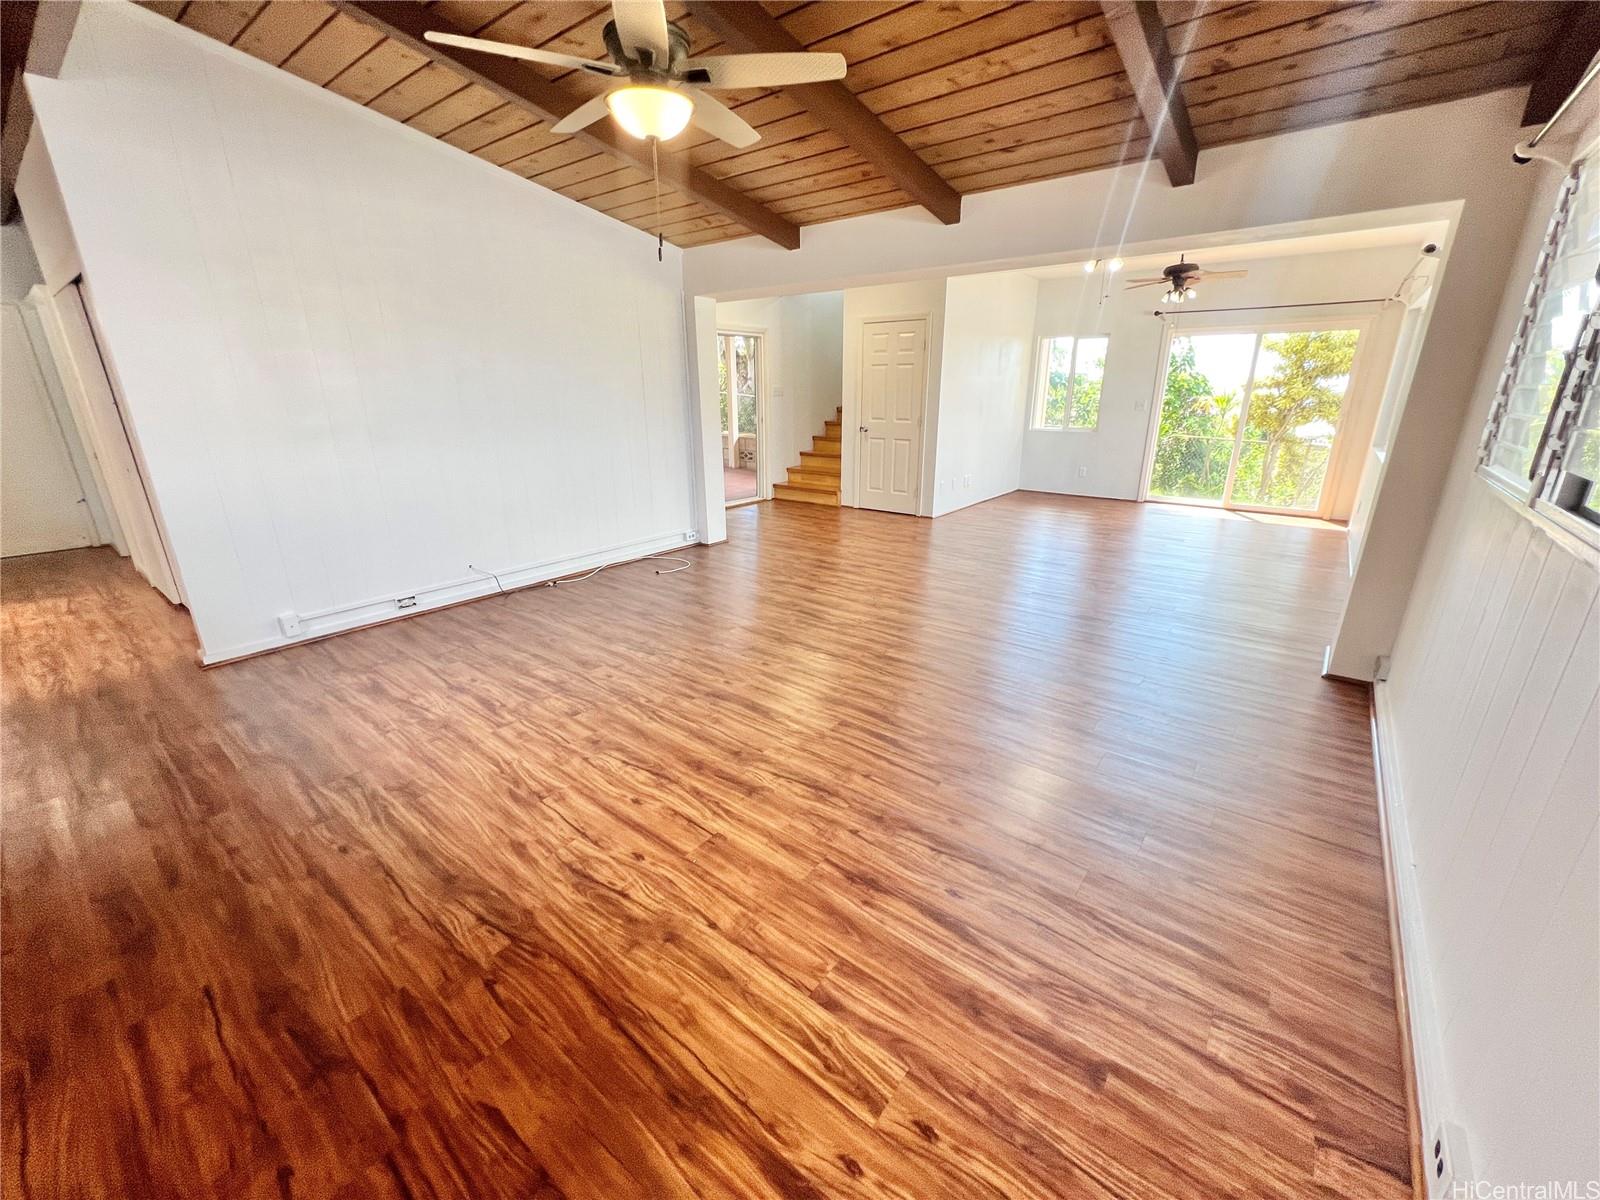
{"points": [[1113, 265], [1088, 267], [650, 112]]}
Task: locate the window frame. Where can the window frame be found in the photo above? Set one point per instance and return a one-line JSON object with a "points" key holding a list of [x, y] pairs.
{"points": [[1041, 382], [1536, 493]]}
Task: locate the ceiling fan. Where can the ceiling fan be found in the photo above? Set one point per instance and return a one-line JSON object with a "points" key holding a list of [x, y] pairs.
{"points": [[660, 85], [1180, 279]]}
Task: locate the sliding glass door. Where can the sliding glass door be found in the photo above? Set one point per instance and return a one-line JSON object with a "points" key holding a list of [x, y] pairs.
{"points": [[1248, 419]]}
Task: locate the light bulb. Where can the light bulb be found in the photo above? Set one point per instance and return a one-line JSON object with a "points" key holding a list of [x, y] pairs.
{"points": [[650, 112], [1189, 293], [1088, 267], [1113, 265]]}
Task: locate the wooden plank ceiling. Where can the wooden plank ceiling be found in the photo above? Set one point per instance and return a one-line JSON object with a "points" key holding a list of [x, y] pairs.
{"points": [[989, 94]]}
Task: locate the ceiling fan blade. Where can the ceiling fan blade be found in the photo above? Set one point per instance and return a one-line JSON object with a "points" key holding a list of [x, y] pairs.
{"points": [[720, 121], [1204, 275], [1140, 283], [526, 53], [584, 115], [642, 30], [762, 70]]}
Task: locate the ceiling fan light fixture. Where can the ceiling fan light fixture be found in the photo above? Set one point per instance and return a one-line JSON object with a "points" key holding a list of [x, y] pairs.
{"points": [[650, 112], [1088, 267], [1113, 265], [1190, 294]]}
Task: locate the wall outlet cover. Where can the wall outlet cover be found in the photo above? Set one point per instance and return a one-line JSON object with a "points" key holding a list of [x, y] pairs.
{"points": [[289, 624]]}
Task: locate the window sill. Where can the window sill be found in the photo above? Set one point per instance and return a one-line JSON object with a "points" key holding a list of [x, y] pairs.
{"points": [[1569, 531], [1064, 429]]}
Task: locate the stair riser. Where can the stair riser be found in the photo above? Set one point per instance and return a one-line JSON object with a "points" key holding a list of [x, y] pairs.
{"points": [[814, 479], [827, 463], [782, 492], [825, 446]]}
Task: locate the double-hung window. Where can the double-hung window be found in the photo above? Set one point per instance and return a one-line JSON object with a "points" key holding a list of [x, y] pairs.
{"points": [[1067, 392], [1542, 438]]}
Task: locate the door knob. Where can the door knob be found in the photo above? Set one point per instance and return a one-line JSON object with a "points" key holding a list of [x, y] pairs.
{"points": [[863, 429]]}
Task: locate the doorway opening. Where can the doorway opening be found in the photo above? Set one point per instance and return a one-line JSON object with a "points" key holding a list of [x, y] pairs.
{"points": [[740, 391], [1250, 419]]}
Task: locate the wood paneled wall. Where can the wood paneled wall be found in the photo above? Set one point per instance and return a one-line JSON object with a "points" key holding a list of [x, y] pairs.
{"points": [[1490, 715]]}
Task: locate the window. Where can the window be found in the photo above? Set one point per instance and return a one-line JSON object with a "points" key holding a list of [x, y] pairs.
{"points": [[1542, 439], [1070, 373]]}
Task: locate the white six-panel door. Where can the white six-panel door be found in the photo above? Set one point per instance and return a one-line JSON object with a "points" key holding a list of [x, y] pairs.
{"points": [[889, 445]]}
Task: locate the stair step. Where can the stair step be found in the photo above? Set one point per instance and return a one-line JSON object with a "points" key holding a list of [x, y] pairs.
{"points": [[826, 446], [822, 464], [800, 477], [783, 491], [830, 429]]}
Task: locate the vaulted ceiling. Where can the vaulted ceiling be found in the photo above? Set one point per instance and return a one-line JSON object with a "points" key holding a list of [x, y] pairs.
{"points": [[986, 94]]}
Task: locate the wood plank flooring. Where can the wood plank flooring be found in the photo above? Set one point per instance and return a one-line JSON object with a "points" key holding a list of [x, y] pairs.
{"points": [[1022, 853]]}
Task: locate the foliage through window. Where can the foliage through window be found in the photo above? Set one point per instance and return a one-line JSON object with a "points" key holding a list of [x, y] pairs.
{"points": [[1249, 419], [736, 381], [1071, 371]]}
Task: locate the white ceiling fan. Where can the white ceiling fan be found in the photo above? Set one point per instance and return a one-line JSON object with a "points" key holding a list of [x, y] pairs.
{"points": [[660, 88], [1180, 279]]}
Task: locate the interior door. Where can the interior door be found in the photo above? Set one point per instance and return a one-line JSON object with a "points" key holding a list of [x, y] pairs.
{"points": [[889, 437]]}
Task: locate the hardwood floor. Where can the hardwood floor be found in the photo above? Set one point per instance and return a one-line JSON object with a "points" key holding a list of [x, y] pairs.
{"points": [[1023, 854]]}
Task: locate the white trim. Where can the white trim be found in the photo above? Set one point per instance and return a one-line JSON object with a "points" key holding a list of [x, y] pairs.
{"points": [[1427, 1046], [1572, 533], [379, 610]]}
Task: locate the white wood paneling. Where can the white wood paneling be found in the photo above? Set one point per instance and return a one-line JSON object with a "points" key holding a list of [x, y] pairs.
{"points": [[1491, 719], [359, 365], [42, 505]]}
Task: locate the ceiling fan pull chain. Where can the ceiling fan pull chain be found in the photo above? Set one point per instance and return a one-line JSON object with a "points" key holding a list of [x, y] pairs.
{"points": [[655, 172]]}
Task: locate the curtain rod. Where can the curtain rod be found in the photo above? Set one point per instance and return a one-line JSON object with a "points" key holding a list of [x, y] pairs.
{"points": [[1172, 312], [1524, 153]]}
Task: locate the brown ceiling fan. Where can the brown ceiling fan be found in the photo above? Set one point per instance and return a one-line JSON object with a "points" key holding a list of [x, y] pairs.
{"points": [[661, 88], [1181, 278]]}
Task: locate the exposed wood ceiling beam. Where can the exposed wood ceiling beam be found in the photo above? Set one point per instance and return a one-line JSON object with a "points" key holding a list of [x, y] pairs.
{"points": [[519, 85], [33, 39], [1141, 41], [749, 29], [1571, 55]]}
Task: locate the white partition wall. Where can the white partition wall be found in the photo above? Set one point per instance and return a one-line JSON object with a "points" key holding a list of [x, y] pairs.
{"points": [[361, 366]]}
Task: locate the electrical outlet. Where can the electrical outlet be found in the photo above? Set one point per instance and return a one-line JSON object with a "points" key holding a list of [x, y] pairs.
{"points": [[1447, 1159], [289, 623], [1083, 472], [691, 535], [406, 602], [966, 481]]}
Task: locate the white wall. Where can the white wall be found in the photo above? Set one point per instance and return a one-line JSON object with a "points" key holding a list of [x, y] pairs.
{"points": [[803, 359], [1109, 460], [984, 376], [1489, 727], [42, 504], [356, 361], [921, 298]]}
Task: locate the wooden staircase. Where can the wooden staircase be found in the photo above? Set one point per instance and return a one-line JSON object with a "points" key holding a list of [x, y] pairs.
{"points": [[816, 479]]}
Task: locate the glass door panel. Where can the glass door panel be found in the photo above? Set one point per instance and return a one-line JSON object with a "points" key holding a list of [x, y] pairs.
{"points": [[1208, 375], [1296, 399]]}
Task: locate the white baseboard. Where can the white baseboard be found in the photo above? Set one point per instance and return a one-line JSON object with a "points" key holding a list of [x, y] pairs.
{"points": [[379, 610], [1419, 1011]]}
